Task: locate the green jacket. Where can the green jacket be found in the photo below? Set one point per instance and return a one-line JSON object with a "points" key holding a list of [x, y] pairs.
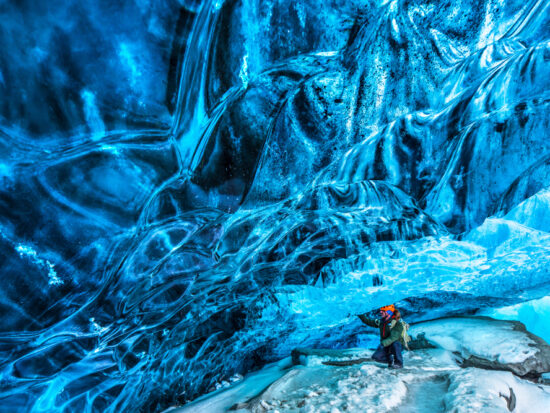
{"points": [[390, 331]]}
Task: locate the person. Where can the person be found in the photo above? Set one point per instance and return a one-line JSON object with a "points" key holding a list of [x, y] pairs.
{"points": [[393, 336]]}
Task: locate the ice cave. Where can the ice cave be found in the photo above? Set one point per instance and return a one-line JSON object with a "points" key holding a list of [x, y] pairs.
{"points": [[199, 197]]}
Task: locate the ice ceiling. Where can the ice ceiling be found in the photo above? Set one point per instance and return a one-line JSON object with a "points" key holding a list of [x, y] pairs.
{"points": [[190, 189]]}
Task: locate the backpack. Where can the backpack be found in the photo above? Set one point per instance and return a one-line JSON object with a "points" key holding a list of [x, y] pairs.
{"points": [[406, 337]]}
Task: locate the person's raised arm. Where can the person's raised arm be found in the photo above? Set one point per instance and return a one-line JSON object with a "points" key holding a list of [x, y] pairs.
{"points": [[372, 322]]}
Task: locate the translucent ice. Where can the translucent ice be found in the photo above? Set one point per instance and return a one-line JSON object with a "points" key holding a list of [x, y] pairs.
{"points": [[189, 189]]}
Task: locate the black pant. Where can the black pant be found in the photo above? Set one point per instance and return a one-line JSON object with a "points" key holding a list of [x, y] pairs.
{"points": [[391, 354]]}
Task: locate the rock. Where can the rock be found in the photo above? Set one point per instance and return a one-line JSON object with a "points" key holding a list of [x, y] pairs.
{"points": [[420, 342], [510, 400]]}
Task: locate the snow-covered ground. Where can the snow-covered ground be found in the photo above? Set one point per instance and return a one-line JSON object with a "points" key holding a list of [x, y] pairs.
{"points": [[431, 381]]}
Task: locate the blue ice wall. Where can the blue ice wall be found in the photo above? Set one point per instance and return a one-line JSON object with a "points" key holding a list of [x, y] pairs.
{"points": [[188, 190]]}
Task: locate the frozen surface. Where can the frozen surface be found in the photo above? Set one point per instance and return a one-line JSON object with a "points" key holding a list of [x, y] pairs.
{"points": [[191, 189], [225, 398], [482, 390], [535, 314], [467, 336], [367, 387], [430, 382]]}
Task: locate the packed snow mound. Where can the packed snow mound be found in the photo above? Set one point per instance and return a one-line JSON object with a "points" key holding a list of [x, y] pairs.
{"points": [[485, 342]]}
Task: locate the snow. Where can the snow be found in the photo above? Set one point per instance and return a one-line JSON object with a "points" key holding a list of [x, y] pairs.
{"points": [[496, 341], [475, 390], [430, 382], [224, 398]]}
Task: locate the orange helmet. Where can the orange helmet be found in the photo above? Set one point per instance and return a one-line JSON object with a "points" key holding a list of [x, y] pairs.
{"points": [[390, 307]]}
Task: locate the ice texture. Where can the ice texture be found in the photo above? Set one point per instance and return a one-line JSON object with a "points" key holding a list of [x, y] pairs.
{"points": [[190, 189], [534, 313]]}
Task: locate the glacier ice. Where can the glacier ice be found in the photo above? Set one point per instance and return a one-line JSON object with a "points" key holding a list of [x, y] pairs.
{"points": [[190, 189], [533, 313]]}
